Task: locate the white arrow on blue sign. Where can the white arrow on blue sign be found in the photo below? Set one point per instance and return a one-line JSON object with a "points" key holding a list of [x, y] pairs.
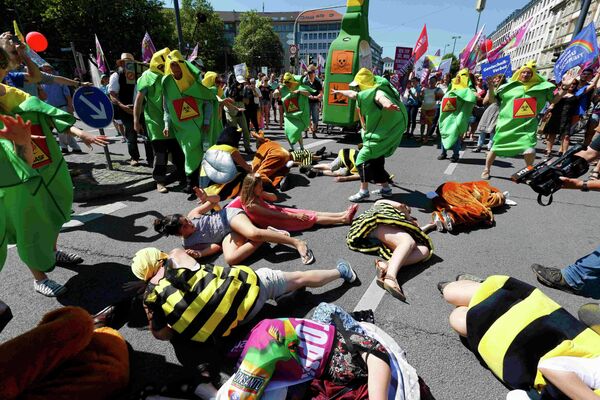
{"points": [[93, 107]]}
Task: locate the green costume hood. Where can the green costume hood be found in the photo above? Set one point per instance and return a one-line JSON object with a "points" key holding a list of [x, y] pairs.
{"points": [[296, 110]]}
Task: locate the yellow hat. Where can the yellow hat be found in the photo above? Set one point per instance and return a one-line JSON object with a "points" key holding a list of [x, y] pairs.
{"points": [[290, 80], [461, 80], [535, 79], [147, 262], [157, 63], [364, 79], [11, 99], [209, 79], [187, 78]]}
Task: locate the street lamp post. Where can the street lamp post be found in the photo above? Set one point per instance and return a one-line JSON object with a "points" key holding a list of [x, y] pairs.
{"points": [[305, 11], [178, 23], [446, 45], [454, 45]]}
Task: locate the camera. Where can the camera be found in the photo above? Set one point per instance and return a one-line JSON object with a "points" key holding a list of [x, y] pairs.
{"points": [[544, 178]]}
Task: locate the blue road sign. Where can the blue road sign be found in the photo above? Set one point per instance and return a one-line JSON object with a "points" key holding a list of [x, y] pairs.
{"points": [[93, 107]]}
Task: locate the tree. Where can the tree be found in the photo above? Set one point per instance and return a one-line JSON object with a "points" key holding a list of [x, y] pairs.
{"points": [[209, 35], [256, 43], [119, 24], [455, 65]]}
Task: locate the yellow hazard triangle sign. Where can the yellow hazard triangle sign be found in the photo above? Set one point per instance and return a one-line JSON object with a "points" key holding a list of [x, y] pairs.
{"points": [[449, 104], [524, 108], [186, 108]]}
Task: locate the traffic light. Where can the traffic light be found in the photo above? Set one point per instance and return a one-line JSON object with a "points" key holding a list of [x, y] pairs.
{"points": [[292, 61], [555, 56]]}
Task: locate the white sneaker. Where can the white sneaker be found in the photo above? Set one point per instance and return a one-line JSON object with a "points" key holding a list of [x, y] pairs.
{"points": [[359, 196], [49, 288]]}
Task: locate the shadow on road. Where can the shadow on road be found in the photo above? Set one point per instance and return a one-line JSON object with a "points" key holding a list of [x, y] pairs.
{"points": [[408, 273], [121, 228]]}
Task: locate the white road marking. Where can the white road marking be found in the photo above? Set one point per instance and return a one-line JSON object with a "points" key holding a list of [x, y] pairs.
{"points": [[453, 165], [371, 298], [317, 143], [80, 219]]}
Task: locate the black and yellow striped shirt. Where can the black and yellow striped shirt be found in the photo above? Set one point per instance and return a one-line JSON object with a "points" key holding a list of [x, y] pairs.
{"points": [[216, 300], [512, 326]]}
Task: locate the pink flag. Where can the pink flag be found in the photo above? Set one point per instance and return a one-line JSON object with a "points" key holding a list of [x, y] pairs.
{"points": [[100, 57], [511, 41], [148, 48], [194, 54], [421, 45], [303, 65], [320, 63], [468, 57]]}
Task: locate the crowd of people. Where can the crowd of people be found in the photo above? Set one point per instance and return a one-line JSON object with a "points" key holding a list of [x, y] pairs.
{"points": [[198, 120]]}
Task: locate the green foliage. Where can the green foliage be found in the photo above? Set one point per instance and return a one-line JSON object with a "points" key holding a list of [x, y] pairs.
{"points": [[256, 43], [455, 65], [119, 24], [210, 35]]}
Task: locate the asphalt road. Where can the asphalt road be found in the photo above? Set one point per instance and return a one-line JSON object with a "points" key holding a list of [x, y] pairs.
{"points": [[115, 228]]}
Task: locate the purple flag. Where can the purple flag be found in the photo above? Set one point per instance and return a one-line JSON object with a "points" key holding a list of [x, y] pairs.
{"points": [[100, 57], [511, 41], [468, 57], [148, 48], [194, 54]]}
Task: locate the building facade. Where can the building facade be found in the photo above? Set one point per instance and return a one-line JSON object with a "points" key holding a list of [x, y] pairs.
{"points": [[541, 18], [564, 18], [315, 30], [388, 64]]}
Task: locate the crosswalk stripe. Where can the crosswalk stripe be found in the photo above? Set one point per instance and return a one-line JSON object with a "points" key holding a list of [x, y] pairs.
{"points": [[98, 212], [450, 169], [371, 298], [317, 143]]}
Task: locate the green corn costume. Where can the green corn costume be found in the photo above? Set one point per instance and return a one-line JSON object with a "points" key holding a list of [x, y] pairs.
{"points": [[186, 101], [151, 84], [382, 130], [296, 110], [456, 109], [519, 105], [35, 200], [216, 123]]}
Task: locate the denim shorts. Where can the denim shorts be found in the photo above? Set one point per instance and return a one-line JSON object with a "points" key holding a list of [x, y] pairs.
{"points": [[272, 285]]}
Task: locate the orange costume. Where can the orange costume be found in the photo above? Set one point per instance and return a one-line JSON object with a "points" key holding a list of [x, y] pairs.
{"points": [[466, 204], [270, 162], [64, 358]]}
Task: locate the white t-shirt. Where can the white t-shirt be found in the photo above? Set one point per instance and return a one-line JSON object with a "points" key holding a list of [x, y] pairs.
{"points": [[587, 369], [113, 83]]}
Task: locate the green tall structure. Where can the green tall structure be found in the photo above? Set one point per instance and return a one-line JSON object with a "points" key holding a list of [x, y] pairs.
{"points": [[348, 53]]}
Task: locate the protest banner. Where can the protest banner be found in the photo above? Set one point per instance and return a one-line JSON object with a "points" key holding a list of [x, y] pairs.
{"points": [[501, 66]]}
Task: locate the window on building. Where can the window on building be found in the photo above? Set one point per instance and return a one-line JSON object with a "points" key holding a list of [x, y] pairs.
{"points": [[305, 36]]}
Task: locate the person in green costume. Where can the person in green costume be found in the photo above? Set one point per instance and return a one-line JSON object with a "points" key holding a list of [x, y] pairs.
{"points": [[383, 120], [188, 112], [456, 108], [149, 88], [36, 190], [213, 83], [296, 110], [521, 99]]}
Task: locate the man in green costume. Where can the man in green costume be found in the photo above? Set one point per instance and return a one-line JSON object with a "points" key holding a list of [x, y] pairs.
{"points": [[521, 99], [149, 88], [296, 111], [456, 108], [188, 112], [383, 119], [213, 83], [36, 191]]}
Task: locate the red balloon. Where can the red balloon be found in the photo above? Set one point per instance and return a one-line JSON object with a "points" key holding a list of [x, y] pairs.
{"points": [[486, 47], [36, 41]]}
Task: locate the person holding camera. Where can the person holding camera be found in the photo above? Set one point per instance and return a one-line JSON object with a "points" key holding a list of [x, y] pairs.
{"points": [[583, 276]]}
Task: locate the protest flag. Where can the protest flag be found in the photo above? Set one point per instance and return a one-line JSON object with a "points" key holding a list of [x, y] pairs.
{"points": [[509, 43], [148, 48], [100, 60], [582, 49], [35, 57], [421, 45], [468, 57], [194, 54]]}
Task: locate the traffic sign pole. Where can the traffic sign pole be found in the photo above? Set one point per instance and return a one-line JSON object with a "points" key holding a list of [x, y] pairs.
{"points": [[106, 153]]}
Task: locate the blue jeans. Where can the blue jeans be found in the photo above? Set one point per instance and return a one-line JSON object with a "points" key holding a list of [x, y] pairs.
{"points": [[455, 149], [481, 139], [314, 114], [584, 275]]}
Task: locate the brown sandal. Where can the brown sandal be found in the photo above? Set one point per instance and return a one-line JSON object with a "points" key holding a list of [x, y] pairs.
{"points": [[380, 274], [395, 291]]}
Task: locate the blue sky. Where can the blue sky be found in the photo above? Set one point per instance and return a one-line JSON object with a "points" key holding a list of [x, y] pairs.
{"points": [[398, 23]]}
